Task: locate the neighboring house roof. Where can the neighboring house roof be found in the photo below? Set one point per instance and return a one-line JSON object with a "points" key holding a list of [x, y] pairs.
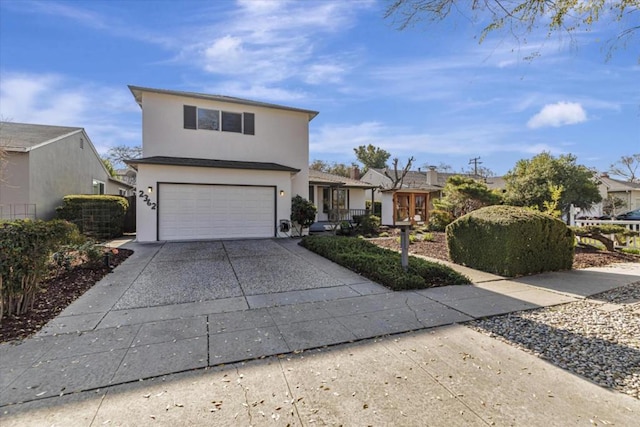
{"points": [[419, 179], [323, 178], [618, 185], [26, 137], [121, 182], [138, 90], [424, 189], [496, 183], [210, 163]]}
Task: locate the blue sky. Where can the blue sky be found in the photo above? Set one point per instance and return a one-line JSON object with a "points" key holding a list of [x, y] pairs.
{"points": [[433, 93]]}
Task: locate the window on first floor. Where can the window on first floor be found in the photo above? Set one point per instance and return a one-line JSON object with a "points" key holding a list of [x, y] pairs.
{"points": [[98, 187], [334, 198], [312, 197]]}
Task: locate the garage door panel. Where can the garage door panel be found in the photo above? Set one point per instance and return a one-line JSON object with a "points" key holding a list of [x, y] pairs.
{"points": [[189, 211]]}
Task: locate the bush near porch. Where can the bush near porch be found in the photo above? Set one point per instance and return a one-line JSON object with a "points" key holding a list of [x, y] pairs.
{"points": [[383, 265]]}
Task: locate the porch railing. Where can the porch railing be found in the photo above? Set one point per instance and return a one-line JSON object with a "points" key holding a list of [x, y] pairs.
{"points": [[338, 215]]}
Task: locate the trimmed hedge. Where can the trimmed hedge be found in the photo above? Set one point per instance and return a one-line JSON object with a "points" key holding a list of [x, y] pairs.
{"points": [[382, 265], [25, 247], [99, 216], [510, 241]]}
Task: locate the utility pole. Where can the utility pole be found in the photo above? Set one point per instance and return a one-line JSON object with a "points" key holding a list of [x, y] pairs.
{"points": [[475, 161]]}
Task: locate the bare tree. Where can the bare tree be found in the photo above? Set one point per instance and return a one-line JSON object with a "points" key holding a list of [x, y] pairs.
{"points": [[118, 154], [399, 172], [521, 17], [627, 167]]}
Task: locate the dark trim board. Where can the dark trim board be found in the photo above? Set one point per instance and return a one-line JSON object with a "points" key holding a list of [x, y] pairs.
{"points": [[275, 200]]}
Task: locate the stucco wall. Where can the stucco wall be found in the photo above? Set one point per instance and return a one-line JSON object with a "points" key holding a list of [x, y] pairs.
{"points": [[14, 183], [387, 208], [150, 175], [281, 136], [357, 198], [61, 168]]}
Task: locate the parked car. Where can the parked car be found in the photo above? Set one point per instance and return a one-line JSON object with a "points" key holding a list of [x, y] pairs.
{"points": [[630, 216]]}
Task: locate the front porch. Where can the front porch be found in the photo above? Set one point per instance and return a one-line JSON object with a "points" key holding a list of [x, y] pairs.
{"points": [[335, 216]]}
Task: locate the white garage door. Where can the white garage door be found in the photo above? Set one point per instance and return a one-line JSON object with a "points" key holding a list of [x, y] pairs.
{"points": [[188, 212]]}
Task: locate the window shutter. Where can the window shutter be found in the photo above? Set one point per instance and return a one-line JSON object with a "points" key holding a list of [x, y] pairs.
{"points": [[190, 117], [249, 123]]}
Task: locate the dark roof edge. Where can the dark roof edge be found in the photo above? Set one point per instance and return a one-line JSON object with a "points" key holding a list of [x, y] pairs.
{"points": [[210, 163], [312, 114]]}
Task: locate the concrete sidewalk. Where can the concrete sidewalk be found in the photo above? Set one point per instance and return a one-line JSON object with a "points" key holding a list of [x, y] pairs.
{"points": [[108, 338]]}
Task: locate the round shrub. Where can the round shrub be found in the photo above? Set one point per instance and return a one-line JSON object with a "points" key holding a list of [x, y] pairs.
{"points": [[439, 219], [510, 241]]}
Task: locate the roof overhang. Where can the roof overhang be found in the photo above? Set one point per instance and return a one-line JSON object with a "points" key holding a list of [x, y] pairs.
{"points": [[210, 163], [411, 190], [137, 92]]}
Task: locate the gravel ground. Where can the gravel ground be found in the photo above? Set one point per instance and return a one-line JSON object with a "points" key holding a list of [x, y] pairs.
{"points": [[597, 338]]}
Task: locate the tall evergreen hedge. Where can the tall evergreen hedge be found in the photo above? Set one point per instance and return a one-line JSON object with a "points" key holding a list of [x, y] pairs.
{"points": [[510, 241], [100, 216]]}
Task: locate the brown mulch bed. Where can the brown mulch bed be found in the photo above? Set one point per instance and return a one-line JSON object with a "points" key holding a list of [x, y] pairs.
{"points": [[56, 294], [584, 256]]}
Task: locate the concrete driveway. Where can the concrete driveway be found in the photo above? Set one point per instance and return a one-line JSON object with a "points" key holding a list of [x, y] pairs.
{"points": [[204, 271], [178, 307]]}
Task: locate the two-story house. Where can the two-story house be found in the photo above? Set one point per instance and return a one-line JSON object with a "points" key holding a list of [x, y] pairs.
{"points": [[217, 167]]}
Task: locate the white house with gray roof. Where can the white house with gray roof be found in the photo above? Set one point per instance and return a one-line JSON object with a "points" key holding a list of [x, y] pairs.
{"points": [[337, 197], [45, 163], [217, 167]]}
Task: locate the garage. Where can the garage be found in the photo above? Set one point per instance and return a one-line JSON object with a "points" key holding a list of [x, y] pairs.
{"points": [[207, 211]]}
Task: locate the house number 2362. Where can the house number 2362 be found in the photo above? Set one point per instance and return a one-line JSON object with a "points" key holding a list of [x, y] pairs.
{"points": [[147, 200]]}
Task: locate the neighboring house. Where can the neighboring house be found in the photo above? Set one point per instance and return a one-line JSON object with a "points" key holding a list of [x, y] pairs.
{"points": [[45, 163], [337, 197], [410, 202], [217, 167], [413, 200], [127, 175], [628, 192]]}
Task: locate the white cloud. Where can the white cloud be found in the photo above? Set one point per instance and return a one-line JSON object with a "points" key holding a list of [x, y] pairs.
{"points": [[257, 91], [51, 99], [340, 139], [267, 43], [558, 114]]}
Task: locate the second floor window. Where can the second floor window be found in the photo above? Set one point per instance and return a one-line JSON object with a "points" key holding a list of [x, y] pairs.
{"points": [[225, 121]]}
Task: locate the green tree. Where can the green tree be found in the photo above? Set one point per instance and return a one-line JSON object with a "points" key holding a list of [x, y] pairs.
{"points": [[107, 164], [530, 183], [303, 213], [463, 194], [371, 157], [550, 207], [627, 168], [333, 168], [520, 17]]}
